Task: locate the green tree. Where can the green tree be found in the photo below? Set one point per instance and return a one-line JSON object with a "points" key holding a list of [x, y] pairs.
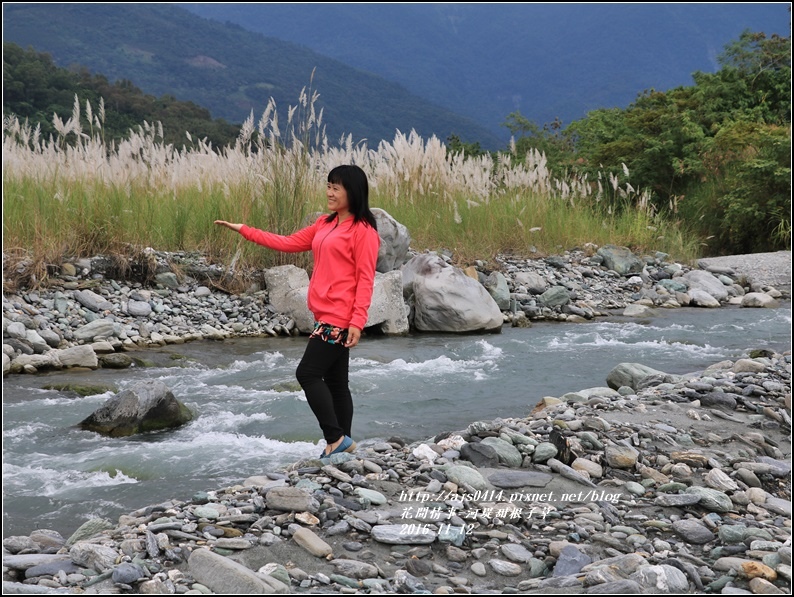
{"points": [[749, 207], [34, 88], [550, 140], [719, 149], [456, 145], [753, 83]]}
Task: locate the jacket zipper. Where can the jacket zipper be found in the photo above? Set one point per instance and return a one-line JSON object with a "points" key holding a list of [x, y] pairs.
{"points": [[320, 246]]}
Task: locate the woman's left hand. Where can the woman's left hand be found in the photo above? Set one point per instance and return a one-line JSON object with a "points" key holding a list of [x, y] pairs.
{"points": [[353, 336]]}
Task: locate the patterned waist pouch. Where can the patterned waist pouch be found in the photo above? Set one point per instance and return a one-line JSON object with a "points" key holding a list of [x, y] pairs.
{"points": [[328, 333]]}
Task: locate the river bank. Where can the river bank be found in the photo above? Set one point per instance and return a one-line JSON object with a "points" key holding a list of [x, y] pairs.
{"points": [[85, 317]]}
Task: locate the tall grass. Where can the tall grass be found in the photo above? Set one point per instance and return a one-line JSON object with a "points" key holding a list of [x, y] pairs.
{"points": [[75, 195]]}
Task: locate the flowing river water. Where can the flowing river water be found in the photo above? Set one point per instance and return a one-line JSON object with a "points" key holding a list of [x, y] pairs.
{"points": [[251, 416]]}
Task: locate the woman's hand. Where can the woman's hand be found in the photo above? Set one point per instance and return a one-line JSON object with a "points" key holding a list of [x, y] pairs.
{"points": [[353, 336], [235, 227]]}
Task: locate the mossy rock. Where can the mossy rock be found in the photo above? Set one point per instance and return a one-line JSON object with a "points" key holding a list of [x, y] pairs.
{"points": [[139, 362], [287, 386], [81, 389], [115, 360], [761, 353]]}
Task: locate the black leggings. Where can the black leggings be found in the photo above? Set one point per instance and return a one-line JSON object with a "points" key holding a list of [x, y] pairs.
{"points": [[323, 375]]}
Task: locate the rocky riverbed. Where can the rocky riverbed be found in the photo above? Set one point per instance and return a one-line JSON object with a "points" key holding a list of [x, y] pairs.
{"points": [[85, 317], [652, 483], [665, 484]]}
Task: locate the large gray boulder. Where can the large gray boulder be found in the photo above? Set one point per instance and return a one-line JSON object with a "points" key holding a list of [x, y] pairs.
{"points": [[146, 406], [445, 299], [388, 309], [701, 298], [394, 241], [706, 281], [630, 375], [288, 291], [759, 300]]}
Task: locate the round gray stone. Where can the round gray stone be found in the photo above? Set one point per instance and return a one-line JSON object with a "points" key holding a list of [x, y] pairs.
{"points": [[693, 531]]}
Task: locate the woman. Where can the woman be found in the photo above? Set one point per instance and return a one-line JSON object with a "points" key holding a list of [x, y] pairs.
{"points": [[345, 247]]}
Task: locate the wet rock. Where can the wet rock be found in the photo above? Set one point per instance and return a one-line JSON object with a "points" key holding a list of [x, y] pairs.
{"points": [[145, 406], [115, 361]]}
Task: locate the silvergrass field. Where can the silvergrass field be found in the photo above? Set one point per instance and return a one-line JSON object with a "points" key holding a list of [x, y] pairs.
{"points": [[78, 196]]}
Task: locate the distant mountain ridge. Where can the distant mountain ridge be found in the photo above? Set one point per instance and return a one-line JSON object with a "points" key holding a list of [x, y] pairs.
{"points": [[166, 50], [545, 60]]}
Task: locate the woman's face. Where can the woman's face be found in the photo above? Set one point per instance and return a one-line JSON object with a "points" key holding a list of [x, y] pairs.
{"points": [[337, 199]]}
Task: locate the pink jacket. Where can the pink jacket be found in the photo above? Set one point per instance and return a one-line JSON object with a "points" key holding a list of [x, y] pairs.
{"points": [[345, 254]]}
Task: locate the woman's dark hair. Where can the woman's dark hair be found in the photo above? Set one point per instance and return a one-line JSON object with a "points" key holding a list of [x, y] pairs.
{"points": [[354, 181]]}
